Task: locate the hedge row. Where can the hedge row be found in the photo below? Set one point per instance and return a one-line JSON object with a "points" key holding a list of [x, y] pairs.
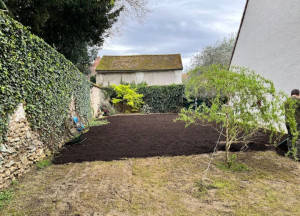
{"points": [[161, 99], [33, 72]]}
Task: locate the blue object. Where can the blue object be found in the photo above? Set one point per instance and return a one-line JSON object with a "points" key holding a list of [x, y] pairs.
{"points": [[75, 119], [78, 124]]}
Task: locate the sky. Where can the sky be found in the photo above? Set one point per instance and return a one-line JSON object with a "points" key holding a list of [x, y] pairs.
{"points": [[172, 27]]}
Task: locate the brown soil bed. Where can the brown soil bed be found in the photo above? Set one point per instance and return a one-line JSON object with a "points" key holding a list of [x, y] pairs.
{"points": [[140, 136]]}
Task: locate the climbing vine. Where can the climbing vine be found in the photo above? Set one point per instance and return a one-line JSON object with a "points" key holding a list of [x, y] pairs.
{"points": [[34, 73]]}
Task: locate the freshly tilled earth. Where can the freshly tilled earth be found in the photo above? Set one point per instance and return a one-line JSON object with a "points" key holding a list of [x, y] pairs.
{"points": [[140, 136]]}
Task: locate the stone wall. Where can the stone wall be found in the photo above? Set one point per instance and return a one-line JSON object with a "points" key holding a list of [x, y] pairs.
{"points": [[98, 99], [23, 147]]}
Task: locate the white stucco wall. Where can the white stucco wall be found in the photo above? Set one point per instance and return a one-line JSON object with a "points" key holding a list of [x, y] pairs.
{"points": [[269, 42], [95, 100], [151, 78], [115, 78]]}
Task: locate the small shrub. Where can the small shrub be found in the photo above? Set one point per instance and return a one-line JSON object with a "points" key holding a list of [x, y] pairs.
{"points": [[43, 164], [105, 110], [93, 79], [232, 165], [127, 96]]}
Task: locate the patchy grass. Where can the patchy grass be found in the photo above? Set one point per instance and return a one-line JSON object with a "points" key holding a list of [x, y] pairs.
{"points": [[98, 122], [42, 164], [232, 165], [7, 194], [5, 197], [162, 186]]}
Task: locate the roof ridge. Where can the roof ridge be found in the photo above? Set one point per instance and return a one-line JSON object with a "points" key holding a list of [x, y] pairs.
{"points": [[142, 55], [238, 34]]}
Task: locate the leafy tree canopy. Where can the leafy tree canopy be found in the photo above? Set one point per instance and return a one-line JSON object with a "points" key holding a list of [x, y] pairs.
{"points": [[71, 26], [2, 6], [218, 53]]}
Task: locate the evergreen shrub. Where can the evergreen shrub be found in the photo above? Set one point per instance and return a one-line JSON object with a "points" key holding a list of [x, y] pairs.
{"points": [[163, 99]]}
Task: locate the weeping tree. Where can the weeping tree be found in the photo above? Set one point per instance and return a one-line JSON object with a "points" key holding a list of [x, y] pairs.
{"points": [[239, 104]]}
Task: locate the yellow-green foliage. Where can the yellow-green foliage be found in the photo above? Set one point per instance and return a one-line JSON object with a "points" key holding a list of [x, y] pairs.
{"points": [[127, 95]]}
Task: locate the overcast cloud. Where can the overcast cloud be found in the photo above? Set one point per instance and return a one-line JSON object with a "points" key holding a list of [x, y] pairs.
{"points": [[182, 26]]}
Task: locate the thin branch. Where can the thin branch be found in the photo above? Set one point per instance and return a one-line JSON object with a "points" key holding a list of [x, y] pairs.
{"points": [[211, 158]]}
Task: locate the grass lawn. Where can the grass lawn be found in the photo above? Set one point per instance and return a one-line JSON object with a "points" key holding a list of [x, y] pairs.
{"points": [[161, 186]]}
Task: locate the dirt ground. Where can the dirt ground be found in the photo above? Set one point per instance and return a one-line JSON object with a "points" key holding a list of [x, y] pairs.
{"points": [[139, 136], [150, 166]]}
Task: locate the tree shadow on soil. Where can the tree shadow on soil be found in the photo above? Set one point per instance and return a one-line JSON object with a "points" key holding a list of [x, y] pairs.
{"points": [[149, 136]]}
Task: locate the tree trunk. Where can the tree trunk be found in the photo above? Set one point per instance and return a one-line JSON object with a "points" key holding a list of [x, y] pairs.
{"points": [[227, 152], [227, 134]]}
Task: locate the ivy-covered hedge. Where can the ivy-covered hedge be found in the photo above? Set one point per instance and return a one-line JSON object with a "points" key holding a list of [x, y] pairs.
{"points": [[33, 72]]}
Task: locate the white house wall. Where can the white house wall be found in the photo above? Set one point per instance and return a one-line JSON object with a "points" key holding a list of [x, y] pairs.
{"points": [[151, 78], [269, 42]]}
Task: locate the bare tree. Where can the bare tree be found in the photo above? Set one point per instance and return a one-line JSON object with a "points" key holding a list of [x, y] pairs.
{"points": [[132, 10]]}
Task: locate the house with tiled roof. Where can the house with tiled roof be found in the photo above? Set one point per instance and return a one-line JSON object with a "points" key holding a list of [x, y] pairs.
{"points": [[93, 66], [152, 69], [268, 41]]}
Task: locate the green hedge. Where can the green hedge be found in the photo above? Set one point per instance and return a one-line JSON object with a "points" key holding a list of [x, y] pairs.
{"points": [[33, 72], [162, 99]]}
